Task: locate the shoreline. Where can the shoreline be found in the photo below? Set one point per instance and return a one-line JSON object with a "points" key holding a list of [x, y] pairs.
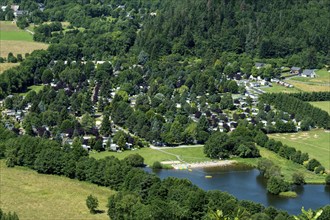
{"points": [[178, 165]]}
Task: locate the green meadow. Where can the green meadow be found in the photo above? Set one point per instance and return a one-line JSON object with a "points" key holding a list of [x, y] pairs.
{"points": [[38, 196], [316, 143], [322, 105]]}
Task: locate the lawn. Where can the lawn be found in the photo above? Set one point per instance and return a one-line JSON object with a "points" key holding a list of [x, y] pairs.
{"points": [[149, 155], [37, 196], [287, 167], [9, 31], [193, 154], [278, 88], [36, 88], [315, 143], [322, 105], [5, 66]]}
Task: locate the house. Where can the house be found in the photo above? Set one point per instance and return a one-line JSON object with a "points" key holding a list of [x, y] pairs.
{"points": [[295, 70], [308, 73]]}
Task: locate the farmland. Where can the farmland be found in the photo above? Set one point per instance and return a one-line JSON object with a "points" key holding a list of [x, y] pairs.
{"points": [[36, 196], [17, 41], [315, 143]]}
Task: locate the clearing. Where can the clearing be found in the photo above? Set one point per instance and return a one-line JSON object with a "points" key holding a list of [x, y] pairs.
{"points": [[38, 196], [325, 105], [17, 41], [315, 143]]}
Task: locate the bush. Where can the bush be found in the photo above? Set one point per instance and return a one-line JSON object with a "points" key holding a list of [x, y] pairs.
{"points": [[134, 160], [298, 178], [276, 185], [320, 169], [312, 164], [157, 165], [92, 203], [327, 179]]}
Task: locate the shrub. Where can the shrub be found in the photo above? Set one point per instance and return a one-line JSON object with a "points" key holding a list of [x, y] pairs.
{"points": [[298, 178], [327, 179], [157, 165], [92, 203], [312, 164], [276, 185], [320, 169]]}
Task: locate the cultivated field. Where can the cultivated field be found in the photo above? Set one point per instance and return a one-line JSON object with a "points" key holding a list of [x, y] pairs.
{"points": [[322, 105], [36, 196], [316, 143], [5, 66], [17, 41]]}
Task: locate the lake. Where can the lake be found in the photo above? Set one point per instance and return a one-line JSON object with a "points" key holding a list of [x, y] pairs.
{"points": [[246, 183]]}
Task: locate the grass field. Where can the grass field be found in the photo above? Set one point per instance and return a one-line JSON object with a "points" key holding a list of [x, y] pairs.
{"points": [[315, 143], [36, 196], [9, 31], [17, 41], [309, 87], [320, 83], [5, 66], [287, 167], [278, 88], [322, 105], [193, 154], [36, 88], [19, 47]]}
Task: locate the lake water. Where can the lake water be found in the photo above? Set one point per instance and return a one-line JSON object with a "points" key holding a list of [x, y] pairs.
{"points": [[246, 183]]}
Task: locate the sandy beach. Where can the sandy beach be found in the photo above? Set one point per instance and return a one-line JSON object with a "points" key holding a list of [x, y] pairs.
{"points": [[180, 166]]}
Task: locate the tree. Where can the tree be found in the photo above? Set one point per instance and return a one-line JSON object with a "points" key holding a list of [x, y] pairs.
{"points": [[298, 178], [134, 160], [276, 185], [92, 203], [308, 214], [327, 179], [105, 126], [312, 164]]}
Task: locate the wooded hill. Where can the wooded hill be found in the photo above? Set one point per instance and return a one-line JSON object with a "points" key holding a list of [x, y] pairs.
{"points": [[261, 28]]}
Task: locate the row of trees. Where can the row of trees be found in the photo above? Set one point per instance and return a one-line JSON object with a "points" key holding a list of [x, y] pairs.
{"points": [[312, 96], [297, 107]]}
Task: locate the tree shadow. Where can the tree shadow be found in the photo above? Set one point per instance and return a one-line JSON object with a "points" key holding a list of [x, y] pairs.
{"points": [[99, 212]]}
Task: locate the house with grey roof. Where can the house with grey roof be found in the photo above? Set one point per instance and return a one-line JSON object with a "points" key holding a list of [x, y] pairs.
{"points": [[308, 73], [295, 70]]}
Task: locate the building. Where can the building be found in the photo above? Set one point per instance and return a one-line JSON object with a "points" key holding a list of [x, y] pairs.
{"points": [[295, 70], [308, 73]]}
